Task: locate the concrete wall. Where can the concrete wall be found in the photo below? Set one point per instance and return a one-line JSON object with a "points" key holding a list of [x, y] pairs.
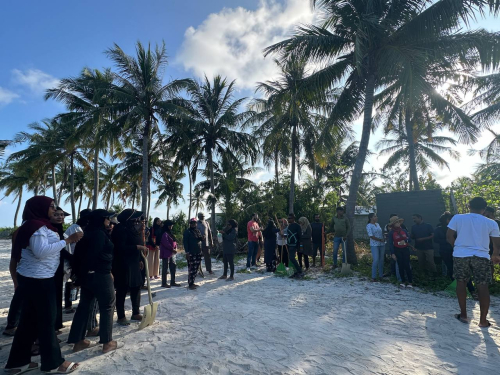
{"points": [[359, 230]]}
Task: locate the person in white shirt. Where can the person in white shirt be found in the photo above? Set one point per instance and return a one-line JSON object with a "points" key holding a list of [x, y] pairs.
{"points": [[37, 249], [470, 236], [377, 245]]}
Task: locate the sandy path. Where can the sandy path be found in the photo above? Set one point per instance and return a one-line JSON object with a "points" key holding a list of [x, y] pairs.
{"points": [[262, 324]]}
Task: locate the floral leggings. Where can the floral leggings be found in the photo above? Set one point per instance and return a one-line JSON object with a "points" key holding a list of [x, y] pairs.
{"points": [[194, 265]]}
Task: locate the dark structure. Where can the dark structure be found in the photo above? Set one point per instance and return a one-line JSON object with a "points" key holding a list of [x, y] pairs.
{"points": [[428, 203]]}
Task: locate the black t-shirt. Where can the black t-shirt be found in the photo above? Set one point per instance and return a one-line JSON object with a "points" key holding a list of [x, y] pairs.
{"points": [[293, 234], [316, 232], [420, 231]]}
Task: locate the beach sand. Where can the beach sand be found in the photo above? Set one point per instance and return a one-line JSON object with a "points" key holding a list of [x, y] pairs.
{"points": [[262, 324]]}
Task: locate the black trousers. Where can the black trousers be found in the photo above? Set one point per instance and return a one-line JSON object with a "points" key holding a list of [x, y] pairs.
{"points": [[306, 259], [100, 287], [135, 298], [283, 250], [292, 251], [38, 319], [228, 259], [14, 310], [92, 322], [166, 264], [68, 288], [58, 279], [403, 258], [207, 256]]}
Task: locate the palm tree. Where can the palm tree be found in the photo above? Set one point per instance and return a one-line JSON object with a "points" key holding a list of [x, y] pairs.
{"points": [[290, 118], [86, 97], [169, 187], [230, 179], [45, 149], [367, 44], [490, 169], [139, 98], [110, 181], [426, 150], [14, 178], [211, 122], [3, 145]]}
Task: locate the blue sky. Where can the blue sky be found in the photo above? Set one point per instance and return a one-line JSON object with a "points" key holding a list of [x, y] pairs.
{"points": [[42, 42]]}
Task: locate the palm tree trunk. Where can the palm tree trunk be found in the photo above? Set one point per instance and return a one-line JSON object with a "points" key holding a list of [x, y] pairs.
{"points": [[108, 201], [80, 204], [96, 179], [358, 166], [149, 204], [54, 185], [18, 206], [292, 176], [88, 203], [212, 188], [168, 211], [145, 166], [63, 182], [276, 165], [72, 188], [190, 191], [411, 150]]}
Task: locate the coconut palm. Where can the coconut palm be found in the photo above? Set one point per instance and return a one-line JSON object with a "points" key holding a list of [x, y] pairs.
{"points": [[110, 178], [290, 119], [14, 178], [230, 179], [490, 169], [367, 43], [211, 122], [86, 98], [169, 187], [427, 148], [139, 98], [3, 145]]}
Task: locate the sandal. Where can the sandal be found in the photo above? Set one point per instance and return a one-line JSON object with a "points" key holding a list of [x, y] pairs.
{"points": [[119, 345], [10, 331], [22, 369], [73, 366]]}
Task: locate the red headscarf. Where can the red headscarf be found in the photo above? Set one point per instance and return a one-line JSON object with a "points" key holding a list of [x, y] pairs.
{"points": [[35, 216]]}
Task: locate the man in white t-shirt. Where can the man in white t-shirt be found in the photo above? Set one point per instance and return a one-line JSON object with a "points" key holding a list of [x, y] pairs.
{"points": [[470, 235]]}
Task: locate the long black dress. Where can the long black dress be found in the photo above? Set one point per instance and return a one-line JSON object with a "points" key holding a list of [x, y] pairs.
{"points": [[126, 267], [269, 235]]}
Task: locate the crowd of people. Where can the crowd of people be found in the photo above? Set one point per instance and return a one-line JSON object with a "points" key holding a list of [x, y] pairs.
{"points": [[102, 256]]}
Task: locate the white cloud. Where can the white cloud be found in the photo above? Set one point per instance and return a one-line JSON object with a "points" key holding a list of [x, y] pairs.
{"points": [[7, 96], [230, 43], [35, 80]]}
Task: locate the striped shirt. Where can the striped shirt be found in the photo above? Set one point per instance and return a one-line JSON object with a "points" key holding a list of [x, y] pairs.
{"points": [[41, 258]]}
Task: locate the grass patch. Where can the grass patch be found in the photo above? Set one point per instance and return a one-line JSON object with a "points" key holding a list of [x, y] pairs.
{"points": [[181, 263]]}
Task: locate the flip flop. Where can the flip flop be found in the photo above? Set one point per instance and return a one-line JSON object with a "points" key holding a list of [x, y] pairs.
{"points": [[22, 369], [119, 345], [68, 370], [458, 317], [488, 326]]}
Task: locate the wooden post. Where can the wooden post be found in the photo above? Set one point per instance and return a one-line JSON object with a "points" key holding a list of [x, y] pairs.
{"points": [[323, 245]]}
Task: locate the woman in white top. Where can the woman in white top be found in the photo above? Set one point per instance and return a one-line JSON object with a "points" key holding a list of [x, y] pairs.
{"points": [[37, 248], [377, 245]]}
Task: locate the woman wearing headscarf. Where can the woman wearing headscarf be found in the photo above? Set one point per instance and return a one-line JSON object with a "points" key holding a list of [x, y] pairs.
{"points": [[229, 246], [154, 241], [57, 221], [192, 241], [281, 241], [128, 239], [37, 249], [306, 249], [168, 249], [94, 256], [269, 235]]}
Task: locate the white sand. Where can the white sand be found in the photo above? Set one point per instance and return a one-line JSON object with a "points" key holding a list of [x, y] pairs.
{"points": [[261, 324]]}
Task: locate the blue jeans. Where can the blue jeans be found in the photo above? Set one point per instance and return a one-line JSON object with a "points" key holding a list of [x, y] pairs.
{"points": [[253, 247], [378, 260], [336, 243]]}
